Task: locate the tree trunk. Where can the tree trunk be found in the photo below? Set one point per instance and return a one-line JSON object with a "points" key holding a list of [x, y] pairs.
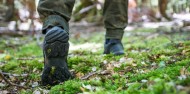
{"points": [[163, 7]]}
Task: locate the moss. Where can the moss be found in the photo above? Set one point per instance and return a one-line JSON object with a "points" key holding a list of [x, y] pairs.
{"points": [[10, 66], [29, 50], [84, 63], [69, 87], [158, 60], [171, 72]]}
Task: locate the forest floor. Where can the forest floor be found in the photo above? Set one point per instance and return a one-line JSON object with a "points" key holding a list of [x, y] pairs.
{"points": [[156, 61]]}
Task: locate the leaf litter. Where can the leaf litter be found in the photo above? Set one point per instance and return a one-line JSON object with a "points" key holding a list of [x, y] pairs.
{"points": [[146, 66]]}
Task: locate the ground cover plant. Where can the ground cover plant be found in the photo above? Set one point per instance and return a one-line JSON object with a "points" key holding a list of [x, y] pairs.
{"points": [[156, 62]]}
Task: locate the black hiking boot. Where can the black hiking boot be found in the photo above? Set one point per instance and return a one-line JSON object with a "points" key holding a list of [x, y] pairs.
{"points": [[55, 49], [113, 46]]}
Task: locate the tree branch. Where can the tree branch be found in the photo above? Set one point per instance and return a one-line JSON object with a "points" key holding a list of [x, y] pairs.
{"points": [[10, 83]]}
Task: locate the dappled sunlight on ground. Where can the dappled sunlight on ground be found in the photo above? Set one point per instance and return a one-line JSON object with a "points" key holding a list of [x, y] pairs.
{"points": [[94, 47]]}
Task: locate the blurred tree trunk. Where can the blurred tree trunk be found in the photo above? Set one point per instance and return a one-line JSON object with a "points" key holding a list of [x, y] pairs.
{"points": [[163, 7], [31, 7], [9, 15]]}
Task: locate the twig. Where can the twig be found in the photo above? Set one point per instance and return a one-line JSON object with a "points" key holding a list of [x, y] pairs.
{"points": [[25, 58], [105, 72], [31, 58], [88, 75], [10, 83], [9, 33], [15, 75]]}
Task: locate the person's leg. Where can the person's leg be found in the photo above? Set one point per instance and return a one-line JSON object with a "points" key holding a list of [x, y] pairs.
{"points": [[55, 15], [115, 19]]}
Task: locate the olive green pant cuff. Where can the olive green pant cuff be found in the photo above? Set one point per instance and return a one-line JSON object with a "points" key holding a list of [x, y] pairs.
{"points": [[114, 33], [55, 20]]}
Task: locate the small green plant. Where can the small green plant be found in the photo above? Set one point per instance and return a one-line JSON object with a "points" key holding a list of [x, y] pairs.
{"points": [[69, 87]]}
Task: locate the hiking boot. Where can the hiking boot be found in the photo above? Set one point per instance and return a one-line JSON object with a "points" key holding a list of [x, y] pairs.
{"points": [[113, 46], [55, 49]]}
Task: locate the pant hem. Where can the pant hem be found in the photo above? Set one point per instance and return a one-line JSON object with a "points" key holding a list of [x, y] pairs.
{"points": [[55, 20], [114, 33]]}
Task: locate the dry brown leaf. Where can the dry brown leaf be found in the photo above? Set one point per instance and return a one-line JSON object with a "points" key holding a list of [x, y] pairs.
{"points": [[105, 72], [184, 71], [120, 88], [82, 89], [1, 51], [79, 74], [186, 51]]}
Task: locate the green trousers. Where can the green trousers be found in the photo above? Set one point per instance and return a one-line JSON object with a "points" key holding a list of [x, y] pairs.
{"points": [[58, 13]]}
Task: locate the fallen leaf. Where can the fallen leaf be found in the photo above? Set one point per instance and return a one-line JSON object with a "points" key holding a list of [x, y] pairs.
{"points": [[179, 87], [82, 89], [94, 69], [4, 92], [36, 92], [134, 64], [122, 60], [144, 80], [34, 70], [186, 51], [105, 62], [118, 65], [89, 87], [119, 89], [35, 84], [79, 74], [1, 51], [184, 71], [162, 64], [129, 61], [182, 77], [162, 56], [2, 85], [143, 63]]}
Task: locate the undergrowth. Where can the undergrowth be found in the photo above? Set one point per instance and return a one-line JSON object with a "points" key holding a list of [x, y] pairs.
{"points": [[151, 65]]}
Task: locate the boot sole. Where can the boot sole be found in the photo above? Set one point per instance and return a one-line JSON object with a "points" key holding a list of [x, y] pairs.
{"points": [[55, 68]]}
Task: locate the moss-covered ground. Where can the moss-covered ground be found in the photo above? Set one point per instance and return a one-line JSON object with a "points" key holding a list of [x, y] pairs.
{"points": [[155, 63]]}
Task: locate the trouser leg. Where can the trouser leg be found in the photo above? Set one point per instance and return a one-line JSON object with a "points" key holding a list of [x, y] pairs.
{"points": [[115, 18], [55, 13]]}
